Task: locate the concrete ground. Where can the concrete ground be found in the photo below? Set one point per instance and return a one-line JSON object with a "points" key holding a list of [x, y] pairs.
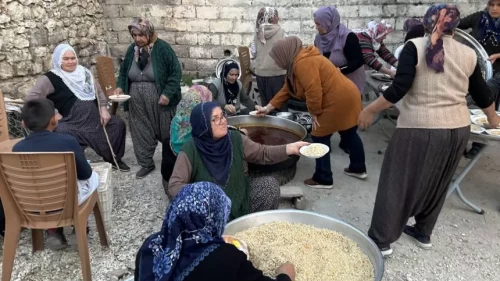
{"points": [[466, 244]]}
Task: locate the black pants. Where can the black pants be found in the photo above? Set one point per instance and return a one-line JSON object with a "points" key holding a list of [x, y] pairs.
{"points": [[167, 160], [350, 138]]}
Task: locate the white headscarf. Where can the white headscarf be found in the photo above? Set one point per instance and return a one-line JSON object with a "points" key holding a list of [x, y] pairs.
{"points": [[80, 81]]}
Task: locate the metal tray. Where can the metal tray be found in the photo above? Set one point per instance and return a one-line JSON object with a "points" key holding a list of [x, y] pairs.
{"points": [[482, 57]]}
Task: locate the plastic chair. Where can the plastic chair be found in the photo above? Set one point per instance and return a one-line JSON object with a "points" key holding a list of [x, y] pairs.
{"points": [[39, 191], [6, 143]]}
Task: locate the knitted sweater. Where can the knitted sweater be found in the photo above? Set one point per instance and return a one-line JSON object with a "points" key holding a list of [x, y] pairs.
{"points": [[166, 68], [365, 41], [437, 100]]}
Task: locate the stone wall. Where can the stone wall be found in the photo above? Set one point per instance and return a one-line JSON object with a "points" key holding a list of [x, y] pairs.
{"points": [[30, 30], [200, 30]]}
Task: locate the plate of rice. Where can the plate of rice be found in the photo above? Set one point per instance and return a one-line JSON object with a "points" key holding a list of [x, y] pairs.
{"points": [[476, 129], [480, 120], [314, 150]]}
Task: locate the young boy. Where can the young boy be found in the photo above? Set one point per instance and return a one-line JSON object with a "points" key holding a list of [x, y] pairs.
{"points": [[41, 118]]}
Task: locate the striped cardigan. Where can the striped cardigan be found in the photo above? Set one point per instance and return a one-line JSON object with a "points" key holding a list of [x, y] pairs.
{"points": [[365, 42]]}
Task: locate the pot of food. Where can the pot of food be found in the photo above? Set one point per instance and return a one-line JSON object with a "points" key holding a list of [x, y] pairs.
{"points": [[270, 130], [310, 241]]}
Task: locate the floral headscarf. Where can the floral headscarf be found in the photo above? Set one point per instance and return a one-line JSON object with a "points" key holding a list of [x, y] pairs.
{"points": [[439, 20], [146, 28], [80, 81], [266, 16], [490, 28], [192, 228], [376, 31], [180, 129]]}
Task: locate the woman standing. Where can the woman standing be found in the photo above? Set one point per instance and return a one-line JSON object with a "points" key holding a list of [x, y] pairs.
{"points": [[372, 41], [340, 45], [72, 89], [332, 100], [228, 91], [150, 74], [434, 76], [270, 78], [485, 27]]}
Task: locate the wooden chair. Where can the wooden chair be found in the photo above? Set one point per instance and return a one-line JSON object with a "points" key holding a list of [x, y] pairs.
{"points": [[246, 71], [106, 77], [39, 191]]}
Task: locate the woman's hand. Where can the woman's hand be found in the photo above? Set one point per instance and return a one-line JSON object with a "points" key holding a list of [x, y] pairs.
{"points": [[365, 119], [293, 148], [118, 91], [163, 100], [494, 57], [230, 108], [288, 269], [315, 122], [494, 121], [105, 117]]}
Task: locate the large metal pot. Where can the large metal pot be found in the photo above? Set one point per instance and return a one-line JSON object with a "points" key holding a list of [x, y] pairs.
{"points": [[482, 57], [274, 122], [317, 220]]}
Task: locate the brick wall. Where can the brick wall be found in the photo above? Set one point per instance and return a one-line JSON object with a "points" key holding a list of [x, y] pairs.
{"points": [[199, 30]]}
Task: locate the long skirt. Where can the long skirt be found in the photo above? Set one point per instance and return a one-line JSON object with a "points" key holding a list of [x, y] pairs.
{"points": [[84, 123], [264, 194], [149, 121], [269, 87], [418, 167]]}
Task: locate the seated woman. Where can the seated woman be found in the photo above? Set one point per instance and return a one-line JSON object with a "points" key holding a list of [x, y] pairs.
{"points": [[72, 89], [414, 28], [180, 129], [190, 246], [372, 41], [332, 100], [228, 90], [216, 155]]}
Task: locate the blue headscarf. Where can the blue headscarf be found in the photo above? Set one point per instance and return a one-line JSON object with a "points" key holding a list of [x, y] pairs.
{"points": [[192, 229], [217, 154]]}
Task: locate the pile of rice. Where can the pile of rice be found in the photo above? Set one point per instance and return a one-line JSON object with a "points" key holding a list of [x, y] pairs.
{"points": [[317, 254]]}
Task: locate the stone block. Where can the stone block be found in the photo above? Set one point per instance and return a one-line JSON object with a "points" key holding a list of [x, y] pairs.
{"points": [[220, 26], [243, 27], [296, 13], [199, 52], [231, 39], [175, 25], [124, 37], [38, 37], [251, 12], [390, 11], [370, 11], [349, 11], [291, 26], [208, 39], [232, 13], [197, 25], [118, 50], [308, 26], [119, 2], [119, 24], [188, 64], [207, 65], [131, 11], [412, 10], [6, 70], [181, 51], [247, 38], [194, 2], [184, 12], [160, 11], [186, 38], [167, 36], [224, 3], [218, 51], [207, 13]]}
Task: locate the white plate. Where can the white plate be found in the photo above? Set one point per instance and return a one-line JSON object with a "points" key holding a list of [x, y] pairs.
{"points": [[303, 150], [476, 112], [119, 98], [381, 76], [480, 120], [383, 88], [253, 113], [494, 133], [476, 129]]}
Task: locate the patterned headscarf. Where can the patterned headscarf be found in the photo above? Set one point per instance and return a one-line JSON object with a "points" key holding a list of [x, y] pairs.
{"points": [[146, 28], [376, 31], [490, 28], [80, 81], [266, 16], [284, 52], [336, 33], [440, 20], [192, 228], [180, 129]]}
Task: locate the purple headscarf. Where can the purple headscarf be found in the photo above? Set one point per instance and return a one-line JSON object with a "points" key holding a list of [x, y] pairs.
{"points": [[440, 20], [336, 33]]}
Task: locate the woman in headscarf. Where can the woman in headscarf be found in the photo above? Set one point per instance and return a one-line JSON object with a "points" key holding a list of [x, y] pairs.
{"points": [[332, 100], [74, 92], [270, 78], [190, 247], [433, 77], [217, 155], [180, 130], [414, 28], [340, 45], [150, 74], [372, 42], [485, 27], [228, 90]]}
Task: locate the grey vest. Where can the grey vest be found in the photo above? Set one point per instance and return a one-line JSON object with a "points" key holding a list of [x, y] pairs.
{"points": [[221, 97]]}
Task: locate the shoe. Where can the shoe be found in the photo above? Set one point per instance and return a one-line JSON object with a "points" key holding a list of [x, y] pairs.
{"points": [[386, 251], [314, 184], [122, 167], [356, 175], [143, 172], [421, 240], [56, 240], [473, 151]]}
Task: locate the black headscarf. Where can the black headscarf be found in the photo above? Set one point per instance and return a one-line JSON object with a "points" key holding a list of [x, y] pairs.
{"points": [[415, 32], [230, 90]]}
